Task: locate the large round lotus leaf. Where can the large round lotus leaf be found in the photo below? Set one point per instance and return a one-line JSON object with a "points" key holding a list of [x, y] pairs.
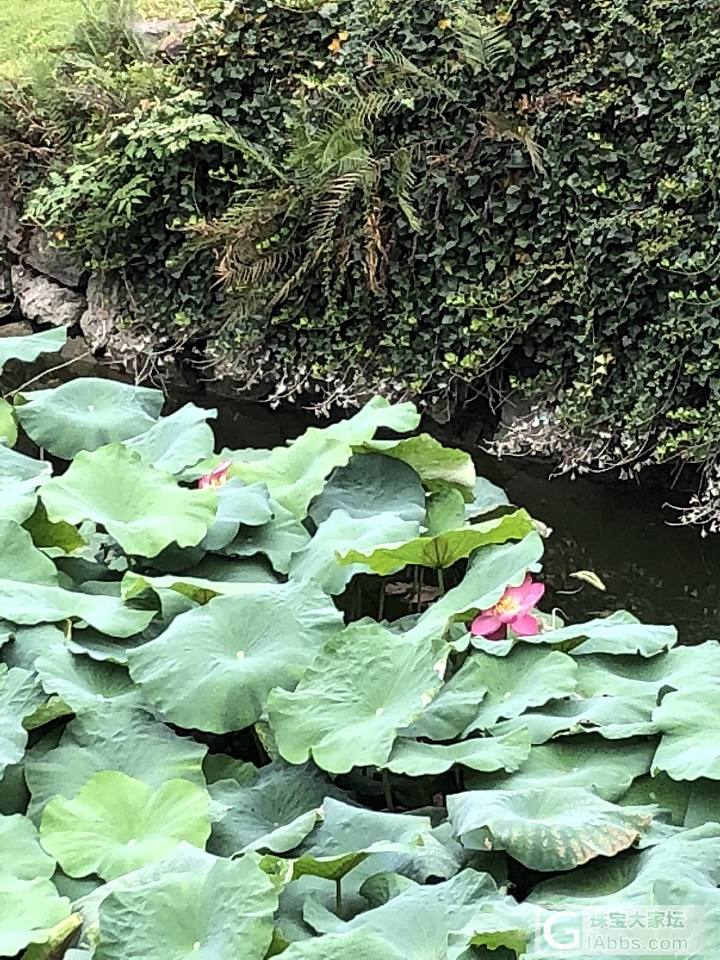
{"points": [[113, 738], [365, 685], [357, 944], [87, 413], [295, 474], [17, 700], [142, 508], [28, 349], [244, 579], [275, 811], [690, 803], [527, 677], [317, 562], [20, 476], [348, 835], [498, 922], [455, 706], [555, 828], [445, 511], [83, 683], [29, 595], [690, 726], [29, 903], [614, 718], [418, 922], [372, 484], [490, 571], [116, 824], [443, 549], [416, 759], [580, 761], [237, 505], [278, 539], [8, 424], [225, 913], [213, 668], [436, 465], [178, 441], [620, 633], [486, 498]]}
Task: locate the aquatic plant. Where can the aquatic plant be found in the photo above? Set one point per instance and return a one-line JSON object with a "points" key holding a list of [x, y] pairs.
{"points": [[265, 715]]}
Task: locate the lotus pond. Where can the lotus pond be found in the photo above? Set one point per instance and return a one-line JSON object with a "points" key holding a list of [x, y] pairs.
{"points": [[316, 701]]}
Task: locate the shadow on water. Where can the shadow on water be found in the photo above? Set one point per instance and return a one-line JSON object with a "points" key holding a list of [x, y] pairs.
{"points": [[662, 573]]}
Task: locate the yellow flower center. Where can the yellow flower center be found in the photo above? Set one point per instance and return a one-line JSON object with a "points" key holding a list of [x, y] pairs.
{"points": [[508, 605]]}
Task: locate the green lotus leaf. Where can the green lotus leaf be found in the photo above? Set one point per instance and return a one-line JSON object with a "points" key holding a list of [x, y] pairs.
{"points": [[213, 668], [436, 465], [366, 684], [357, 944], [527, 677], [59, 939], [620, 633], [444, 549], [20, 476], [226, 911], [277, 540], [683, 869], [490, 571], [246, 577], [220, 766], [544, 829], [8, 424], [371, 484], [28, 348], [114, 738], [237, 505], [14, 796], [275, 811], [317, 562], [297, 473], [83, 683], [486, 498], [348, 835], [416, 759], [18, 699], [418, 922], [455, 706], [116, 824], [690, 726], [140, 507], [445, 511], [29, 903], [86, 413], [581, 761], [54, 538], [690, 803], [614, 718], [177, 442]]}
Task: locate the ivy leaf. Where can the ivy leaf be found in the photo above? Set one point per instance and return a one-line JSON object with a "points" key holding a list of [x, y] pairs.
{"points": [[140, 507], [366, 683], [28, 348], [86, 413], [546, 829], [213, 668], [444, 549], [116, 824]]}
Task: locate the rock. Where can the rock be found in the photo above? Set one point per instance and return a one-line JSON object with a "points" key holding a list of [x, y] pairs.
{"points": [[163, 36], [11, 233], [102, 312], [44, 301], [60, 265], [21, 329], [7, 297]]}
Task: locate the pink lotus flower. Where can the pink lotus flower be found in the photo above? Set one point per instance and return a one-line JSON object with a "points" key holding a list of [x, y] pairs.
{"points": [[216, 477], [511, 610]]}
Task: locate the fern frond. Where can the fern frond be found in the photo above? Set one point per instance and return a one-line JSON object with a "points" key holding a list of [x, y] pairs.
{"points": [[327, 208], [484, 43], [405, 186]]}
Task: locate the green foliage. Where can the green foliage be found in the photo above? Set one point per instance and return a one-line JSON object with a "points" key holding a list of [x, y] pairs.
{"points": [[237, 744]]}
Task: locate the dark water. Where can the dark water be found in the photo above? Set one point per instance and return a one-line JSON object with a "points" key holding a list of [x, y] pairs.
{"points": [[662, 573]]}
